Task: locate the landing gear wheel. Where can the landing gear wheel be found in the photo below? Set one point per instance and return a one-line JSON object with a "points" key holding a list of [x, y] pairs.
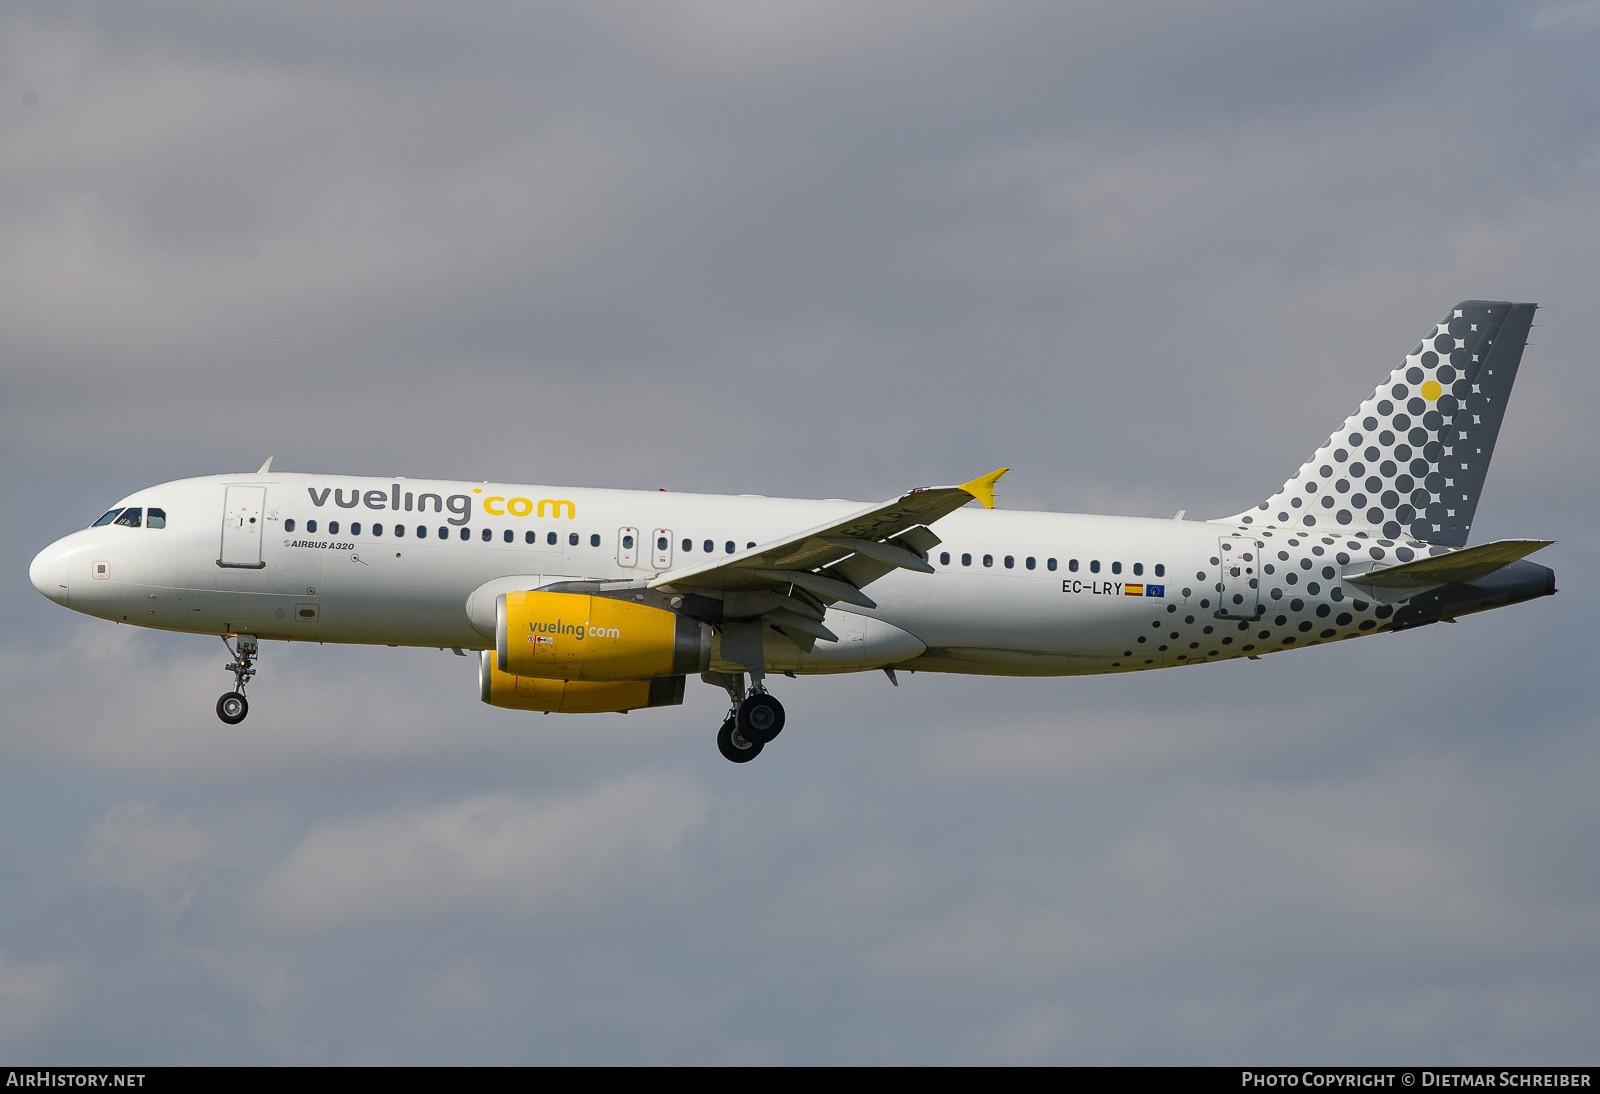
{"points": [[760, 718], [734, 745], [232, 708]]}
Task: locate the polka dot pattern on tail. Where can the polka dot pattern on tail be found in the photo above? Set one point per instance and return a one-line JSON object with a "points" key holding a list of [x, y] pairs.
{"points": [[1424, 438]]}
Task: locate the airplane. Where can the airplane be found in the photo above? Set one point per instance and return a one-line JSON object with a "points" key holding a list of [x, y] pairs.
{"points": [[603, 600]]}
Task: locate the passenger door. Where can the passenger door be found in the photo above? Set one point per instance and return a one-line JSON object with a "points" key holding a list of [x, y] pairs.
{"points": [[241, 527]]}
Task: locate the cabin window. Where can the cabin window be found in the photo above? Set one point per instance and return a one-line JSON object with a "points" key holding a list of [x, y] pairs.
{"points": [[708, 546], [750, 546], [531, 537], [550, 538], [1072, 564], [399, 529], [594, 541], [1116, 567], [966, 560], [1011, 563], [988, 560], [107, 519], [1161, 571], [1030, 562], [688, 545], [487, 535], [288, 525], [444, 533], [1049, 564], [130, 518], [422, 531], [377, 529], [572, 539], [627, 543], [1094, 565], [466, 534], [1138, 569], [311, 526], [510, 536], [333, 527], [355, 528], [944, 558], [728, 548], [661, 544], [155, 518]]}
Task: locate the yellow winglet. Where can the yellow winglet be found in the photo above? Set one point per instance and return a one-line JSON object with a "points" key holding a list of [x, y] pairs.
{"points": [[983, 489]]}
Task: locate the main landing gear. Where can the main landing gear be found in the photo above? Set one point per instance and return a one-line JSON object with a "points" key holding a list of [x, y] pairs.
{"points": [[754, 720], [233, 706]]}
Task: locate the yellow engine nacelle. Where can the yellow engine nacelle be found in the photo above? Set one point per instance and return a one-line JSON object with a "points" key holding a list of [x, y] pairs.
{"points": [[502, 689], [575, 636]]}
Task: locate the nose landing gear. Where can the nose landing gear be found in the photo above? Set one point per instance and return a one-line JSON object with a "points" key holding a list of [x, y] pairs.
{"points": [[233, 706]]}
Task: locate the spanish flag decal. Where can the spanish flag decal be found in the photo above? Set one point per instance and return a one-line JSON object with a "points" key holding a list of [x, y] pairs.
{"points": [[1133, 590]]}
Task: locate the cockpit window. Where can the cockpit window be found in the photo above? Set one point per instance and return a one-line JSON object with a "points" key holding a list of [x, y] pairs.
{"points": [[107, 519], [155, 518], [129, 518]]}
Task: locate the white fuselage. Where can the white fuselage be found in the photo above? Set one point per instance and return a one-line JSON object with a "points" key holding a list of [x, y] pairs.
{"points": [[397, 561]]}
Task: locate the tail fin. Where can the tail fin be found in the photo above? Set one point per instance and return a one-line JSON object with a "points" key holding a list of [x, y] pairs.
{"points": [[1412, 459]]}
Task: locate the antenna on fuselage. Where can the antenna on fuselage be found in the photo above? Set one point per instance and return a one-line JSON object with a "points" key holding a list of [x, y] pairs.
{"points": [[264, 468]]}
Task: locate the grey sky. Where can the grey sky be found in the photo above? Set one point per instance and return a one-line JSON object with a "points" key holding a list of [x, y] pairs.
{"points": [[1147, 254]]}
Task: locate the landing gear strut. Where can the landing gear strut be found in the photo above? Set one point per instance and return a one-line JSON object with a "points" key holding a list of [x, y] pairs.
{"points": [[754, 720], [233, 706]]}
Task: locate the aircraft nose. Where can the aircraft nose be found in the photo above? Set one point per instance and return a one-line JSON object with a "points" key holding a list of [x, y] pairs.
{"points": [[49, 572]]}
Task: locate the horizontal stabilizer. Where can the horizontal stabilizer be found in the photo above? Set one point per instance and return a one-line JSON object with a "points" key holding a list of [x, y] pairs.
{"points": [[1465, 567]]}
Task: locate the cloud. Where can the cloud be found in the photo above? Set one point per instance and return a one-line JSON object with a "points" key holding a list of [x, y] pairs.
{"points": [[461, 982], [1082, 742], [164, 859], [1404, 858], [30, 992], [491, 853]]}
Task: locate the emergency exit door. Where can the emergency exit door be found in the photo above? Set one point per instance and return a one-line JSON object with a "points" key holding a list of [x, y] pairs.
{"points": [[627, 547]]}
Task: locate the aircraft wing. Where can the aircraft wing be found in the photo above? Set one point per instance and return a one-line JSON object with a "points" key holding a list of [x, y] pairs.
{"points": [[831, 562]]}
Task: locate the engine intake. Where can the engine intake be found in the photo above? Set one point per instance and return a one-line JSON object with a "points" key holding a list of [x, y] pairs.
{"points": [[580, 637]]}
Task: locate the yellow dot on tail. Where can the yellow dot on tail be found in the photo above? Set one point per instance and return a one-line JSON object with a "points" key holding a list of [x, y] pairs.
{"points": [[1431, 390]]}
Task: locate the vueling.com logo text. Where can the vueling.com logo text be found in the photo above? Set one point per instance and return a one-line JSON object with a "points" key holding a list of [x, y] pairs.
{"points": [[546, 631], [521, 507]]}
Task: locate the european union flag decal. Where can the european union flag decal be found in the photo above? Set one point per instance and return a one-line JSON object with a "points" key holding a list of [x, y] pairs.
{"points": [[1155, 590]]}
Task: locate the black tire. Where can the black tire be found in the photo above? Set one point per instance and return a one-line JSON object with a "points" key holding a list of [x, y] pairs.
{"points": [[760, 718], [232, 708], [739, 754]]}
